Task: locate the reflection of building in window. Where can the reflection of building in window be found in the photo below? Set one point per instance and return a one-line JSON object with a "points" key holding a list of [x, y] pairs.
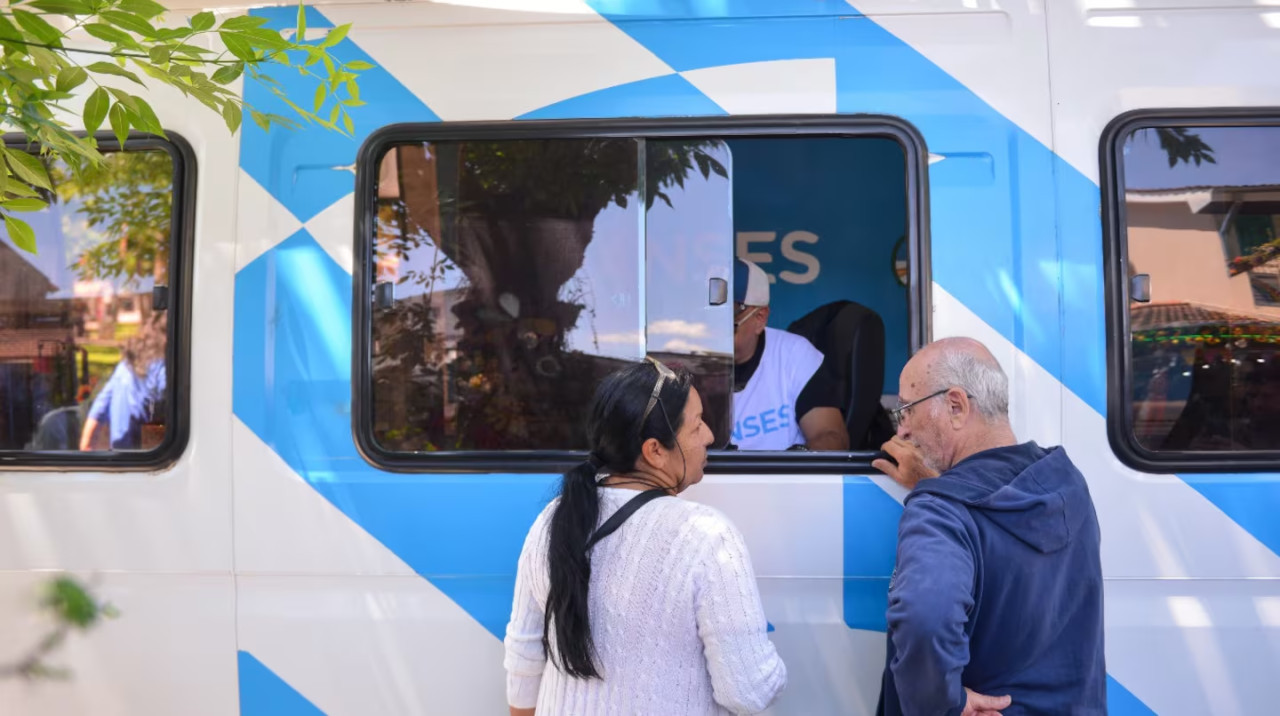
{"points": [[37, 348], [1214, 246], [1208, 343]]}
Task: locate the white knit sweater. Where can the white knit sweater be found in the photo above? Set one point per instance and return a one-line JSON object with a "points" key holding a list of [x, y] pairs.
{"points": [[675, 616]]}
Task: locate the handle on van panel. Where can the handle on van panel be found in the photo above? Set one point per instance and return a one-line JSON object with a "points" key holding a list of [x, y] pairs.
{"points": [[717, 291]]}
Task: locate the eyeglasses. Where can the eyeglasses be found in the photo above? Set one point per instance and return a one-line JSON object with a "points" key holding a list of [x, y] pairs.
{"points": [[664, 374], [897, 413], [743, 314]]}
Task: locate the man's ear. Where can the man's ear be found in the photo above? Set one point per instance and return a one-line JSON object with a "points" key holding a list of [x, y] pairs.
{"points": [[763, 315], [958, 406]]}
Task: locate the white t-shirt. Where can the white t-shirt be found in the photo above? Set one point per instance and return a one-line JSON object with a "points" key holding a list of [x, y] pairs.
{"points": [[764, 411]]}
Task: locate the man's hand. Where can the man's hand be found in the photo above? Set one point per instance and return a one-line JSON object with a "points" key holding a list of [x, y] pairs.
{"points": [[910, 468], [977, 704]]}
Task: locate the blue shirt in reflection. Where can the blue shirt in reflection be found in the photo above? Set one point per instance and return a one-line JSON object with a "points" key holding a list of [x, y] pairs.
{"points": [[126, 401]]}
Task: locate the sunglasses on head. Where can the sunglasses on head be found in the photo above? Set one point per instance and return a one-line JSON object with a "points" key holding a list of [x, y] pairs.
{"points": [[664, 374]]}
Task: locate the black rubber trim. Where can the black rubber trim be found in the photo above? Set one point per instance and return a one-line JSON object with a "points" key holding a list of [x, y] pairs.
{"points": [[178, 347], [1120, 431], [542, 461]]}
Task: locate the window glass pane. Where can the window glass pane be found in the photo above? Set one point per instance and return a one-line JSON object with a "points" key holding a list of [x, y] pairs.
{"points": [[1201, 205], [688, 247], [825, 218], [508, 285], [82, 342], [510, 276]]}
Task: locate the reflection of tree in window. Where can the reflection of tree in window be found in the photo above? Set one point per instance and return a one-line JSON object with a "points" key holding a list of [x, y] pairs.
{"points": [[128, 200], [484, 237]]}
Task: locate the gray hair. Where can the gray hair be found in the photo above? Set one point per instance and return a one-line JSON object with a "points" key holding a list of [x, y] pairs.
{"points": [[983, 380]]}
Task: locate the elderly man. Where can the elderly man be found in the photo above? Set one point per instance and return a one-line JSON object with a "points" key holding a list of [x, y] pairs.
{"points": [[998, 583]]}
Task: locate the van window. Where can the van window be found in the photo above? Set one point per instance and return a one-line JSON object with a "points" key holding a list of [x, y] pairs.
{"points": [[508, 270], [1201, 290], [87, 320]]}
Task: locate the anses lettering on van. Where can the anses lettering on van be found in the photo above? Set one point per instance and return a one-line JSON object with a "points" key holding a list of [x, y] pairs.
{"points": [[766, 422], [789, 251]]}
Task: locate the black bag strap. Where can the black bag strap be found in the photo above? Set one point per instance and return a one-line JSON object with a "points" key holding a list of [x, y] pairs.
{"points": [[616, 519]]}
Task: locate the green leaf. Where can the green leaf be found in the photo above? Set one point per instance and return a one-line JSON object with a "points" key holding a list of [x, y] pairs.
{"points": [[231, 113], [95, 110], [322, 93], [189, 51], [238, 46], [346, 122], [106, 68], [21, 234], [353, 103], [243, 22], [261, 120], [333, 115], [359, 65], [228, 73], [353, 89], [119, 118], [269, 39], [13, 187], [107, 33], [160, 54], [46, 60], [24, 204], [8, 31], [169, 34], [161, 74], [203, 21], [302, 24], [150, 122], [38, 27], [336, 35], [314, 55], [289, 102], [129, 22], [62, 7], [283, 121], [28, 168], [143, 8], [71, 78]]}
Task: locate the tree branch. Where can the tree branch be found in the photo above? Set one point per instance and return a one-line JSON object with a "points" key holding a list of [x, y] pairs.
{"points": [[110, 53]]}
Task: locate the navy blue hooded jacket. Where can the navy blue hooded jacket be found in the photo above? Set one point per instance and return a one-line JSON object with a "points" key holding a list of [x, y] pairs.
{"points": [[998, 588]]}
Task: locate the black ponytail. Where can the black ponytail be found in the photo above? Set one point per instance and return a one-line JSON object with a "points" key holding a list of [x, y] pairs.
{"points": [[574, 520], [615, 434]]}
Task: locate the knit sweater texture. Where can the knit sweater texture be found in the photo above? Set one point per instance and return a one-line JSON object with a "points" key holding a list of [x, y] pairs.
{"points": [[675, 616]]}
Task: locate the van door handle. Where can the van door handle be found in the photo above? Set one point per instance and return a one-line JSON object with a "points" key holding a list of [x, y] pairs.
{"points": [[717, 292]]}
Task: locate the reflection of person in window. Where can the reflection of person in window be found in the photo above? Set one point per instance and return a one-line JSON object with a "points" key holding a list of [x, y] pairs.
{"points": [[132, 393], [783, 395], [1264, 402]]}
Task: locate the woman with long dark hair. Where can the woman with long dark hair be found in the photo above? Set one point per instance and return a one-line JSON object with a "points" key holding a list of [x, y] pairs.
{"points": [[628, 598]]}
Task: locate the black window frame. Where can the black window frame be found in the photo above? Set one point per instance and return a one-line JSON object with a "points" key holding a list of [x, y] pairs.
{"points": [[1120, 432], [178, 345], [919, 288]]}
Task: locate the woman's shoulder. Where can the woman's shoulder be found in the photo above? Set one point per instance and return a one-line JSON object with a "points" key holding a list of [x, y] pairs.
{"points": [[706, 523]]}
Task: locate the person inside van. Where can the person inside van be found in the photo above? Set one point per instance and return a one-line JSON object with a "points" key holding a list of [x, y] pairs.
{"points": [[782, 395]]}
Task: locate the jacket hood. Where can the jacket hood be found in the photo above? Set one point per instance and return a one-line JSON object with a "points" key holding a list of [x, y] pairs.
{"points": [[1034, 494]]}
